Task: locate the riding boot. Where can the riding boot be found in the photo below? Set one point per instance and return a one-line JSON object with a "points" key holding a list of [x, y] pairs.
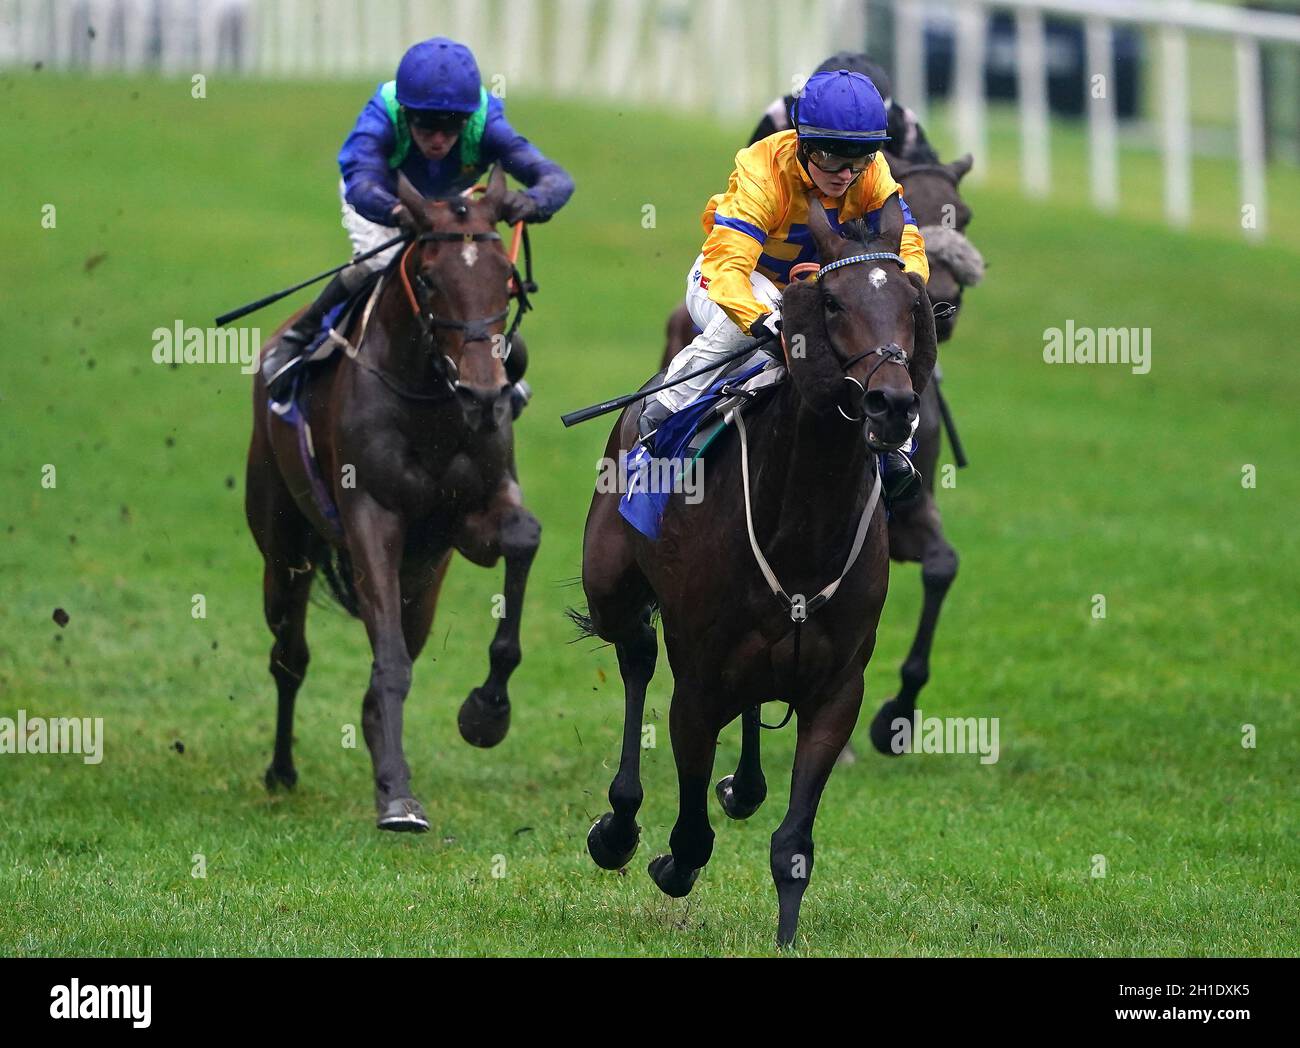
{"points": [[654, 412], [283, 358], [900, 480]]}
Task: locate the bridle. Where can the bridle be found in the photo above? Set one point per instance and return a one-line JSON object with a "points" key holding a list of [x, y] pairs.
{"points": [[475, 329], [891, 353]]}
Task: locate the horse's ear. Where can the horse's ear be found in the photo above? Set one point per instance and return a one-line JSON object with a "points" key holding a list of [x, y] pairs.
{"points": [[898, 167], [960, 167], [496, 190], [819, 225], [413, 200], [892, 222], [925, 345]]}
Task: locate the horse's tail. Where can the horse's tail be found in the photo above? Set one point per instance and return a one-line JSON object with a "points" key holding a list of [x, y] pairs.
{"points": [[336, 566], [583, 621], [586, 628]]}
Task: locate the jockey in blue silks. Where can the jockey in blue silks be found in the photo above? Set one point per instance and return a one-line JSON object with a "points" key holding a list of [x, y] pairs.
{"points": [[436, 124]]}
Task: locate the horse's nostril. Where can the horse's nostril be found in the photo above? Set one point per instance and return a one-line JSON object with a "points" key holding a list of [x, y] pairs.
{"points": [[875, 404], [883, 403]]}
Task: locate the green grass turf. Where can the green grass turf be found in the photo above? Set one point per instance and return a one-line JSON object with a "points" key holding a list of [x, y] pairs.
{"points": [[1120, 737]]}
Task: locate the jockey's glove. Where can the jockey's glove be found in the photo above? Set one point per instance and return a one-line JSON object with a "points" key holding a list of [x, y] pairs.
{"points": [[404, 220], [519, 207], [767, 324]]}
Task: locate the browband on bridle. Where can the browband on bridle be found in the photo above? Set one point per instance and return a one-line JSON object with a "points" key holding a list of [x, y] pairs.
{"points": [[463, 237], [870, 256]]}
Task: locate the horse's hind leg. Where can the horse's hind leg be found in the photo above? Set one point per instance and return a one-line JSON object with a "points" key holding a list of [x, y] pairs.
{"points": [[618, 598], [938, 569], [822, 735], [695, 738], [612, 840], [743, 793], [510, 531], [284, 538], [285, 591]]}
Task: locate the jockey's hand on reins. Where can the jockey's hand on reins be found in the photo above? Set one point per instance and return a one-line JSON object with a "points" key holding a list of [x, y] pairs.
{"points": [[404, 220], [766, 325], [518, 207]]}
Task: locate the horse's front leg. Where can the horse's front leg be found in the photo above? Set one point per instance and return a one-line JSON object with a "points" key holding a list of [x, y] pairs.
{"points": [[375, 539], [695, 738], [823, 733], [506, 529]]}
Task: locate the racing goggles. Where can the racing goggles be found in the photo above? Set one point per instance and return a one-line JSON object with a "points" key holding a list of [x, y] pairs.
{"points": [[432, 120], [833, 163]]}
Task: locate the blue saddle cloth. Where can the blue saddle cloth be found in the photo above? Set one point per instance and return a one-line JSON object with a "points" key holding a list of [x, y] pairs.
{"points": [[648, 476], [339, 316], [291, 412], [329, 320]]}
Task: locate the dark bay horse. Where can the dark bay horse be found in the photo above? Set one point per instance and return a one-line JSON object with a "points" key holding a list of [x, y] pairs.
{"points": [[915, 531], [413, 436], [734, 638]]}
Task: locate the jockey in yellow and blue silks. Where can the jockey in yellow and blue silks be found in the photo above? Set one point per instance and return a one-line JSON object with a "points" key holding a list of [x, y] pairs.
{"points": [[437, 125], [757, 231]]}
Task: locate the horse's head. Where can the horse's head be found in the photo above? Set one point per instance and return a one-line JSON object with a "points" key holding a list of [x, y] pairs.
{"points": [[860, 337], [934, 195], [460, 278]]}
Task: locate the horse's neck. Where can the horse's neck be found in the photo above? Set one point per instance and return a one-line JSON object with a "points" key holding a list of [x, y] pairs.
{"points": [[810, 475], [401, 352]]}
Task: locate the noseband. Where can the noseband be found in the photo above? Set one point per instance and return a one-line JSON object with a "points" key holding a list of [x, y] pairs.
{"points": [[892, 353]]}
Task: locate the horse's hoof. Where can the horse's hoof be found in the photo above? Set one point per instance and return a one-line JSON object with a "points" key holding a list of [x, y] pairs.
{"points": [[277, 777], [607, 851], [663, 871], [403, 815], [735, 807], [483, 723], [884, 736]]}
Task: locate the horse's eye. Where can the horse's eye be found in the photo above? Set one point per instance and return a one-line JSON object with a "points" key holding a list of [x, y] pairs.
{"points": [[831, 304]]}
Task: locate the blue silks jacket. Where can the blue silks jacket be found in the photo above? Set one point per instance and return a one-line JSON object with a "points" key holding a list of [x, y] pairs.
{"points": [[370, 183]]}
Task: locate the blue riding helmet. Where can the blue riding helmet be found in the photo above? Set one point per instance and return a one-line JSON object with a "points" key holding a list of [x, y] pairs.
{"points": [[841, 112], [439, 74]]}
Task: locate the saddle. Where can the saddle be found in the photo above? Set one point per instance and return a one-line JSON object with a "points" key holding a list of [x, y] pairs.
{"points": [[339, 320], [651, 475]]}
